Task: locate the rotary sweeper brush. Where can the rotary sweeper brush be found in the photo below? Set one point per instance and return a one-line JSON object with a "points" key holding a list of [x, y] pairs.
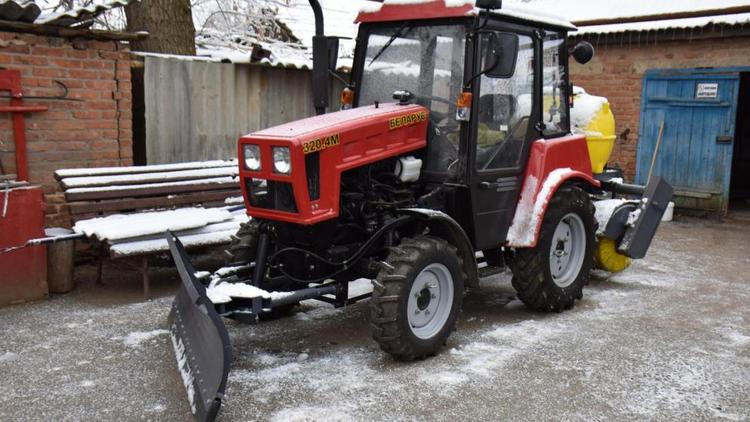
{"points": [[459, 132]]}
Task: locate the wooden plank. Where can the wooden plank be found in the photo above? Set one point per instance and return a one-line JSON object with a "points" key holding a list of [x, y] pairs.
{"points": [[145, 178], [168, 201], [113, 171], [141, 192]]}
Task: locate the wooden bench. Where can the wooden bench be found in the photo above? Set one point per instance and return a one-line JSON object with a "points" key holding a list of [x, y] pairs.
{"points": [[92, 194]]}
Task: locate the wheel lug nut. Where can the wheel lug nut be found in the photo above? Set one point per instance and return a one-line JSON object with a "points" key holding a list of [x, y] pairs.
{"points": [[416, 311], [433, 296], [427, 312]]}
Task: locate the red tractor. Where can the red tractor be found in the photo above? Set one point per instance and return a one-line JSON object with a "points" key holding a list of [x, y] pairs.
{"points": [[454, 137]]}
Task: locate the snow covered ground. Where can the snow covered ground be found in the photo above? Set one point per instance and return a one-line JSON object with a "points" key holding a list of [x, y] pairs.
{"points": [[669, 339]]}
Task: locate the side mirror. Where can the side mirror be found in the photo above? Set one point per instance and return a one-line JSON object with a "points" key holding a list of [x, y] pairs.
{"points": [[500, 59], [583, 52]]}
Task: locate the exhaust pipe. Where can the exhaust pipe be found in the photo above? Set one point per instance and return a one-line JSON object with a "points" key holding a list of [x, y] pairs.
{"points": [[320, 84]]}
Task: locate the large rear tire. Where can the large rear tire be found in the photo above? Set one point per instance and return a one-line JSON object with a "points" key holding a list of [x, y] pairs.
{"points": [[550, 277], [417, 297]]}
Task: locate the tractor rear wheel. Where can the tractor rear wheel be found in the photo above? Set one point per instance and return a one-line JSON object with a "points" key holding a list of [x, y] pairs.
{"points": [[417, 297], [551, 276]]}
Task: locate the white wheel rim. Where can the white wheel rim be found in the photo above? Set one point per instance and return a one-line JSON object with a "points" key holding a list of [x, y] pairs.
{"points": [[430, 301], [567, 250]]}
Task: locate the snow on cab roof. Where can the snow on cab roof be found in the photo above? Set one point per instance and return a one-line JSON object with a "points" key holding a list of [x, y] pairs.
{"points": [[516, 10]]}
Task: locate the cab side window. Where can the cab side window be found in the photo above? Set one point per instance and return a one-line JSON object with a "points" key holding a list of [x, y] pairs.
{"points": [[505, 110], [554, 82]]}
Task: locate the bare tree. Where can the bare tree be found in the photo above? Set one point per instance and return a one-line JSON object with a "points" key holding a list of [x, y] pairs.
{"points": [[168, 22]]}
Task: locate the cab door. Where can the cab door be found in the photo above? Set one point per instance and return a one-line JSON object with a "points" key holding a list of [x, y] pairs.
{"points": [[502, 126]]}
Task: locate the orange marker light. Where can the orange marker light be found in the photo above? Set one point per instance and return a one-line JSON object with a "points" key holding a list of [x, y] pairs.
{"points": [[463, 107], [347, 98]]}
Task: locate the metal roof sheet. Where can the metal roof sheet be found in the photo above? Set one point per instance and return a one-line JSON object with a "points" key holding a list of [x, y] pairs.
{"points": [[19, 10]]}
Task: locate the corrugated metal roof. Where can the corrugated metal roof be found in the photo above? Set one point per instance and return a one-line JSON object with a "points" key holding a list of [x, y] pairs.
{"points": [[19, 10], [79, 16]]}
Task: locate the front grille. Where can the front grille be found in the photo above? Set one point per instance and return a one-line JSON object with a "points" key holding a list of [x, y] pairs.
{"points": [[272, 195], [312, 167]]}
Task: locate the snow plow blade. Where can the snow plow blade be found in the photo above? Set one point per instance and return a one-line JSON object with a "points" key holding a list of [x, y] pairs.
{"points": [[200, 339]]}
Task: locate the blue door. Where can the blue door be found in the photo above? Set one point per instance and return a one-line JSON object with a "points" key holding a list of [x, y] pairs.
{"points": [[697, 109]]}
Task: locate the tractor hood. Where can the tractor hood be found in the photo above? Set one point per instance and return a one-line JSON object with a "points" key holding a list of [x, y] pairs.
{"points": [[292, 172]]}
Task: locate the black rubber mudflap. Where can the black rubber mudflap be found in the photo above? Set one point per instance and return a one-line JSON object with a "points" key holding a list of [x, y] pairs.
{"points": [[200, 340]]}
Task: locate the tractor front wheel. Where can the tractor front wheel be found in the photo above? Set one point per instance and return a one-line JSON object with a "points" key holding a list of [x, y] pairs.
{"points": [[551, 276], [417, 297]]}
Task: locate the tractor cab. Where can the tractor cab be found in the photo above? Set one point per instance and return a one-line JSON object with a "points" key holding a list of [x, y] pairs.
{"points": [[493, 83]]}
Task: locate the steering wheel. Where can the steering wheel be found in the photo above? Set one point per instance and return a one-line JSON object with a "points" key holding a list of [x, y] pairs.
{"points": [[500, 146]]}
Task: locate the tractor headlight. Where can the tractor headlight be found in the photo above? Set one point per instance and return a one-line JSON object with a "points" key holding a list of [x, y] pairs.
{"points": [[252, 157], [282, 162]]}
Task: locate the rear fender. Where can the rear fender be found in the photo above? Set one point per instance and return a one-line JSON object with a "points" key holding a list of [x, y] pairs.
{"points": [[552, 163], [531, 208], [445, 227]]}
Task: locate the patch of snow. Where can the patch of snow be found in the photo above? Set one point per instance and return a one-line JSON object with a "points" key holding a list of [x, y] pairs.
{"points": [[102, 171], [234, 200], [604, 210], [370, 7], [158, 245], [527, 219], [585, 108], [499, 346], [359, 287], [311, 414], [122, 226], [302, 357], [633, 217], [224, 292], [126, 179], [188, 379], [135, 339], [8, 356], [87, 383], [210, 181]]}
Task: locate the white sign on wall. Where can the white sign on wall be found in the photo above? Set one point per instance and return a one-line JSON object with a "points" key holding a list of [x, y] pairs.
{"points": [[706, 90]]}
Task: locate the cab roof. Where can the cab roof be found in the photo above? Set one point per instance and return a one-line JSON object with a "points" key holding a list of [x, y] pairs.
{"points": [[408, 10]]}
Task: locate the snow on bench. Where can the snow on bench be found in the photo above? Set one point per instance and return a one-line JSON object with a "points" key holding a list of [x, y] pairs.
{"points": [[127, 210]]}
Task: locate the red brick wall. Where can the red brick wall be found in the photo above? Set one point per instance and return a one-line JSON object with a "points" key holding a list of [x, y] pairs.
{"points": [[616, 72], [93, 133]]}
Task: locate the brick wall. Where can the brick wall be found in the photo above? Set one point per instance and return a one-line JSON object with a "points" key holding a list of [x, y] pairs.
{"points": [[617, 70], [93, 133]]}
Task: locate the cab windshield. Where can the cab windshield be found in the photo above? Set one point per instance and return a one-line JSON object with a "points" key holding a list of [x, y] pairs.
{"points": [[428, 61]]}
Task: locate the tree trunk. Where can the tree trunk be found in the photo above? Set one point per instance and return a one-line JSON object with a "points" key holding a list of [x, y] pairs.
{"points": [[168, 22]]}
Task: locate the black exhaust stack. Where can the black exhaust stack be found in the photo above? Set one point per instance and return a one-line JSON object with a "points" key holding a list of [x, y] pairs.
{"points": [[325, 54]]}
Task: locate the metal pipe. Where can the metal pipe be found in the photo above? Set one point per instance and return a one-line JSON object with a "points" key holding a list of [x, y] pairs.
{"points": [[318, 11], [623, 188], [264, 242], [304, 294]]}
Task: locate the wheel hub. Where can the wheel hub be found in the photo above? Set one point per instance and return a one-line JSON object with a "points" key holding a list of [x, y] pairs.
{"points": [[430, 300], [567, 250]]}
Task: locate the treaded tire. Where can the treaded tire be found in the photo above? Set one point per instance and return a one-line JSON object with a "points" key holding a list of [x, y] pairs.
{"points": [[244, 244], [532, 276], [389, 303]]}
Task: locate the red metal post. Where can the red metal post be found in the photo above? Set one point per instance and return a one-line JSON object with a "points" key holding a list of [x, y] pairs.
{"points": [[10, 80]]}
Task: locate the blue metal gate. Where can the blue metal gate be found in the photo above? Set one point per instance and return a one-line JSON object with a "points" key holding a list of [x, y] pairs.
{"points": [[697, 108]]}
